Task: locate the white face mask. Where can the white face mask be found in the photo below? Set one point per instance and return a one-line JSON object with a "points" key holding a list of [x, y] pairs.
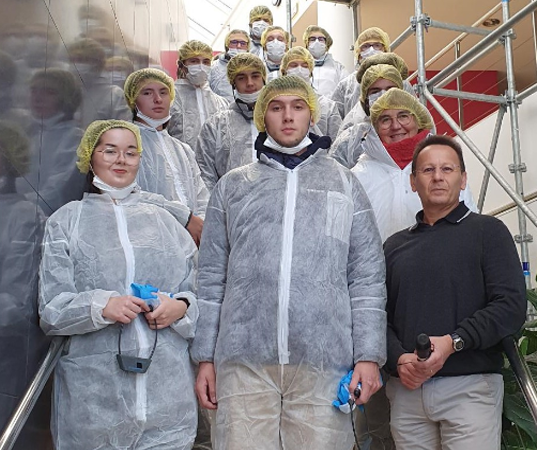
{"points": [[85, 70], [197, 74], [275, 50], [374, 97], [235, 51], [153, 123], [117, 78], [301, 72], [370, 52], [115, 193], [271, 143], [257, 28], [317, 49], [249, 99]]}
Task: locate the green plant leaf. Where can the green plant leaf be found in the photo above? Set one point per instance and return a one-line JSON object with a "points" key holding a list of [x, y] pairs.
{"points": [[517, 412]]}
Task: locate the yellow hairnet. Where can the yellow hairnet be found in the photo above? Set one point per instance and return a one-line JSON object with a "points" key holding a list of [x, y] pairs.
{"points": [[314, 28], [242, 62], [289, 85], [383, 58], [296, 54], [14, 149], [193, 49], [373, 34], [136, 81], [399, 99], [372, 74], [93, 134], [274, 28], [87, 50], [228, 38], [261, 12], [68, 91]]}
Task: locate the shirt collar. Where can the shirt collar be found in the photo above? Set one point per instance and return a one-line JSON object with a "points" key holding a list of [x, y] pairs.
{"points": [[456, 216]]}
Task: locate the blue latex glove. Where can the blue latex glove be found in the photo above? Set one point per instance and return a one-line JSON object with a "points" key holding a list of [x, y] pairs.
{"points": [[146, 292], [344, 400]]}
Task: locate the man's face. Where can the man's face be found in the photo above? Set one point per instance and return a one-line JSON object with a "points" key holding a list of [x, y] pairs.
{"points": [[438, 179], [154, 100], [288, 119], [394, 125], [197, 60], [298, 63], [276, 35], [249, 81], [380, 84]]}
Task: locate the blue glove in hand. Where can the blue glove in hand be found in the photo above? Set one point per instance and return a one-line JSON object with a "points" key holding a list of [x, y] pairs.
{"points": [[344, 400], [146, 292]]}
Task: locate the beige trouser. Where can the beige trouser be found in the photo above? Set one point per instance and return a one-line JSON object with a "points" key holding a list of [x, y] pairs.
{"points": [[447, 413], [279, 407]]}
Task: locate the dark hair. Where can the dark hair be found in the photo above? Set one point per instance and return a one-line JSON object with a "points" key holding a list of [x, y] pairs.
{"points": [[437, 139]]}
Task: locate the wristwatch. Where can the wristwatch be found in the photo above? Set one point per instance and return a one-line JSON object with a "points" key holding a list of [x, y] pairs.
{"points": [[458, 342]]}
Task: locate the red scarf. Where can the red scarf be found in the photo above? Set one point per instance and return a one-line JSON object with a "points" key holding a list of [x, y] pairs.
{"points": [[402, 151]]}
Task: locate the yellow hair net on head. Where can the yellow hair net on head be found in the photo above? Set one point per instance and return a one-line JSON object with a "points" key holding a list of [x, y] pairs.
{"points": [[384, 71], [192, 49], [289, 85], [93, 134], [136, 81], [314, 28], [370, 35], [399, 99], [14, 150], [383, 58], [261, 12], [118, 63], [297, 54], [265, 34], [242, 32], [242, 62]]}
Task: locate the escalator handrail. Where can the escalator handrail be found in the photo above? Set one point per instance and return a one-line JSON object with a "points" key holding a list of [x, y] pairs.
{"points": [[24, 408]]}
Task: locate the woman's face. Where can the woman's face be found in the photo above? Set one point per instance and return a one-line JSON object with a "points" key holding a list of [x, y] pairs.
{"points": [[116, 157], [394, 125]]}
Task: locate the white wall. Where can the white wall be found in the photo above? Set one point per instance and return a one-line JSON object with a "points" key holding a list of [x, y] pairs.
{"points": [[481, 135]]}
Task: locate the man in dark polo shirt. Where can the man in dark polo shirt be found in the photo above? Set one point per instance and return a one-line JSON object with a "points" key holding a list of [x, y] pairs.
{"points": [[456, 276]]}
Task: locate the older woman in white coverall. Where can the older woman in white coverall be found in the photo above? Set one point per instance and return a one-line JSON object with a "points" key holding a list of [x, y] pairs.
{"points": [[124, 379], [194, 101]]}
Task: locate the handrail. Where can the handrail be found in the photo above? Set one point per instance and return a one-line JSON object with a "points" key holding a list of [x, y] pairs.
{"points": [[522, 374], [24, 408], [529, 198]]}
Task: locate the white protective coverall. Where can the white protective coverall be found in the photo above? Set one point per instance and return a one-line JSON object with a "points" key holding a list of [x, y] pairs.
{"points": [[168, 167], [388, 187], [330, 121], [226, 141], [291, 290], [347, 94], [93, 250], [191, 107], [327, 76], [218, 81]]}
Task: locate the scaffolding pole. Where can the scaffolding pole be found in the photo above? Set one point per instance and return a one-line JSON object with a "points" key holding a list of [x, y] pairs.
{"points": [[508, 102]]}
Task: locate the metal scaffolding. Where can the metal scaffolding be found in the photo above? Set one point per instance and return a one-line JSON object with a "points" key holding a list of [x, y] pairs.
{"points": [[509, 102]]}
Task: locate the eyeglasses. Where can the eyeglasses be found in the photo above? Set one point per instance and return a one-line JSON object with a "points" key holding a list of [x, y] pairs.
{"points": [[404, 119], [111, 155], [238, 43], [316, 38], [375, 45], [445, 170]]}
